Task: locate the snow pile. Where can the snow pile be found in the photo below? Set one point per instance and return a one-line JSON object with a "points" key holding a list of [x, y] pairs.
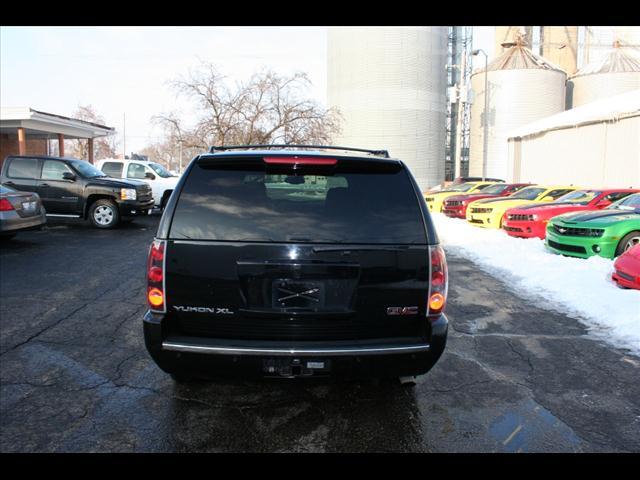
{"points": [[578, 287]]}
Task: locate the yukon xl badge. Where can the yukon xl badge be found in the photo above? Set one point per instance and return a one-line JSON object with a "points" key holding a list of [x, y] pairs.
{"points": [[214, 310], [402, 310]]}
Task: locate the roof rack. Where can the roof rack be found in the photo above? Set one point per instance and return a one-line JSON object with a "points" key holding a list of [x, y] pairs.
{"points": [[381, 153]]}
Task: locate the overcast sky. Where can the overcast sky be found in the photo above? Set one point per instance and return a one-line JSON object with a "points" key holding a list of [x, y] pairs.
{"points": [[125, 70]]}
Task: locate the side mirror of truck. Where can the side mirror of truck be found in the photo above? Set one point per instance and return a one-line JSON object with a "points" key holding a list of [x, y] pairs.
{"points": [[69, 176], [150, 176]]}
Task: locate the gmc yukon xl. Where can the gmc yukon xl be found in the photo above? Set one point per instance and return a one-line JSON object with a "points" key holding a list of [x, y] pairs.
{"points": [[294, 261]]}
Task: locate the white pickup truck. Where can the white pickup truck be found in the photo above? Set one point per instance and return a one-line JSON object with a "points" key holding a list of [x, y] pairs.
{"points": [[161, 180]]}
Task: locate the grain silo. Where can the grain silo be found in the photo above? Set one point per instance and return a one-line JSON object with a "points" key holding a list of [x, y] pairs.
{"points": [[617, 72], [389, 84], [522, 88]]}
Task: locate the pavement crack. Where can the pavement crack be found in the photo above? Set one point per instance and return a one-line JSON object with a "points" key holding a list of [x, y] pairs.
{"points": [[525, 358], [126, 319], [48, 327]]}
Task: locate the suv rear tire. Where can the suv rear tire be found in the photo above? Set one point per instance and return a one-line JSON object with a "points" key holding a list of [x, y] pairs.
{"points": [[103, 213]]}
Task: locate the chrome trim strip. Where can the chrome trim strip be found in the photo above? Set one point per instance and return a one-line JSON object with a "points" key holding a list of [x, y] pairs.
{"points": [[62, 215], [320, 352]]}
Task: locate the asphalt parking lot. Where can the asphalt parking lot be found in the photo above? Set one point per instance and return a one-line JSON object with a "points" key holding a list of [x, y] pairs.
{"points": [[75, 376]]}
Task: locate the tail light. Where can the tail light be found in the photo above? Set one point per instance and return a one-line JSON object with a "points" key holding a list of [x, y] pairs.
{"points": [[439, 283], [295, 160], [155, 277], [5, 205]]}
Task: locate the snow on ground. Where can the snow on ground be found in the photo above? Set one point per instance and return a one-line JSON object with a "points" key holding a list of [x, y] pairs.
{"points": [[578, 287]]}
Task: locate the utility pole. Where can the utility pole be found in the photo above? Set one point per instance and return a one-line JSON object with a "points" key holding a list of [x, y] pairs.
{"points": [[486, 111], [180, 170], [587, 43], [124, 136], [486, 117], [462, 88]]}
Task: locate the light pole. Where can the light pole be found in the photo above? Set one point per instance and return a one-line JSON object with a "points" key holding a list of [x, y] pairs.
{"points": [[486, 111]]}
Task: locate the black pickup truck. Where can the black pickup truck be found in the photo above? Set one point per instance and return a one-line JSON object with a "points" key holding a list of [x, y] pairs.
{"points": [[74, 188]]}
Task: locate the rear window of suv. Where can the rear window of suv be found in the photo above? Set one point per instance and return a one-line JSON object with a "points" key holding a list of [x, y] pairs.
{"points": [[23, 168], [112, 169], [253, 203]]}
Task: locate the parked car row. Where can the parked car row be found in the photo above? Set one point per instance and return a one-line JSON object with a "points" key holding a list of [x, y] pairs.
{"points": [[571, 220], [67, 187]]}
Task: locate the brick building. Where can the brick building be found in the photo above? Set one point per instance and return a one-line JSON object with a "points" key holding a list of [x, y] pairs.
{"points": [[24, 131]]}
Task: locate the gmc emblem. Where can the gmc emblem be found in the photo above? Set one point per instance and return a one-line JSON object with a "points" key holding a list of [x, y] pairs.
{"points": [[402, 310]]}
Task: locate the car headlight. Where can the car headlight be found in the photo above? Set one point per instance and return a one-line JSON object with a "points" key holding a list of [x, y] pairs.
{"points": [[534, 217], [128, 194]]}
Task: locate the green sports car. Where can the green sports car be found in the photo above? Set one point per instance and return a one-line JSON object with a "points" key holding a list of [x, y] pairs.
{"points": [[608, 232]]}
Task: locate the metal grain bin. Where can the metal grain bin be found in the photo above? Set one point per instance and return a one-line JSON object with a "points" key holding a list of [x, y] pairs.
{"points": [[618, 72], [523, 87], [389, 84]]}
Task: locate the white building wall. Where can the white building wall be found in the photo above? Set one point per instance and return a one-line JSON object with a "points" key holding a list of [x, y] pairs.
{"points": [[591, 156]]}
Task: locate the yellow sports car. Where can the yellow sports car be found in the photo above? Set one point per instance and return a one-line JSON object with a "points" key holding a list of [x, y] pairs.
{"points": [[435, 200], [489, 211]]}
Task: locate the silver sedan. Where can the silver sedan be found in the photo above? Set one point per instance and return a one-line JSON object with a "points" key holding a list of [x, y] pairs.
{"points": [[19, 211]]}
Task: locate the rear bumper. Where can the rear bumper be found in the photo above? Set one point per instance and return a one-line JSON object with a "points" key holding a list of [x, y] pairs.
{"points": [[16, 223], [208, 357]]}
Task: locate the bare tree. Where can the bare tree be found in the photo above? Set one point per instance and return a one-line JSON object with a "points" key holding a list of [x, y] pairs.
{"points": [[177, 147], [266, 109], [103, 147]]}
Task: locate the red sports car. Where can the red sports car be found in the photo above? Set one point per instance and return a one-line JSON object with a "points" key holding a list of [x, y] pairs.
{"points": [[626, 271], [531, 220], [456, 206]]}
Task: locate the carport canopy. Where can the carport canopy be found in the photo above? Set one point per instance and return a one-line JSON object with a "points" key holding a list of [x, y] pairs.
{"points": [[27, 122]]}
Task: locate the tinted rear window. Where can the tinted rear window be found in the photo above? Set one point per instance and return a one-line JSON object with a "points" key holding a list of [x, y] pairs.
{"points": [[112, 169], [23, 168], [342, 206]]}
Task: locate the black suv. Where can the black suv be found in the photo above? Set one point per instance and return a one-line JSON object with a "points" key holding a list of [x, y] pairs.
{"points": [[73, 188], [291, 262]]}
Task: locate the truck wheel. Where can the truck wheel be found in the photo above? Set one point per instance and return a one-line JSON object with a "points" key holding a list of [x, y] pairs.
{"points": [[631, 239], [104, 213]]}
